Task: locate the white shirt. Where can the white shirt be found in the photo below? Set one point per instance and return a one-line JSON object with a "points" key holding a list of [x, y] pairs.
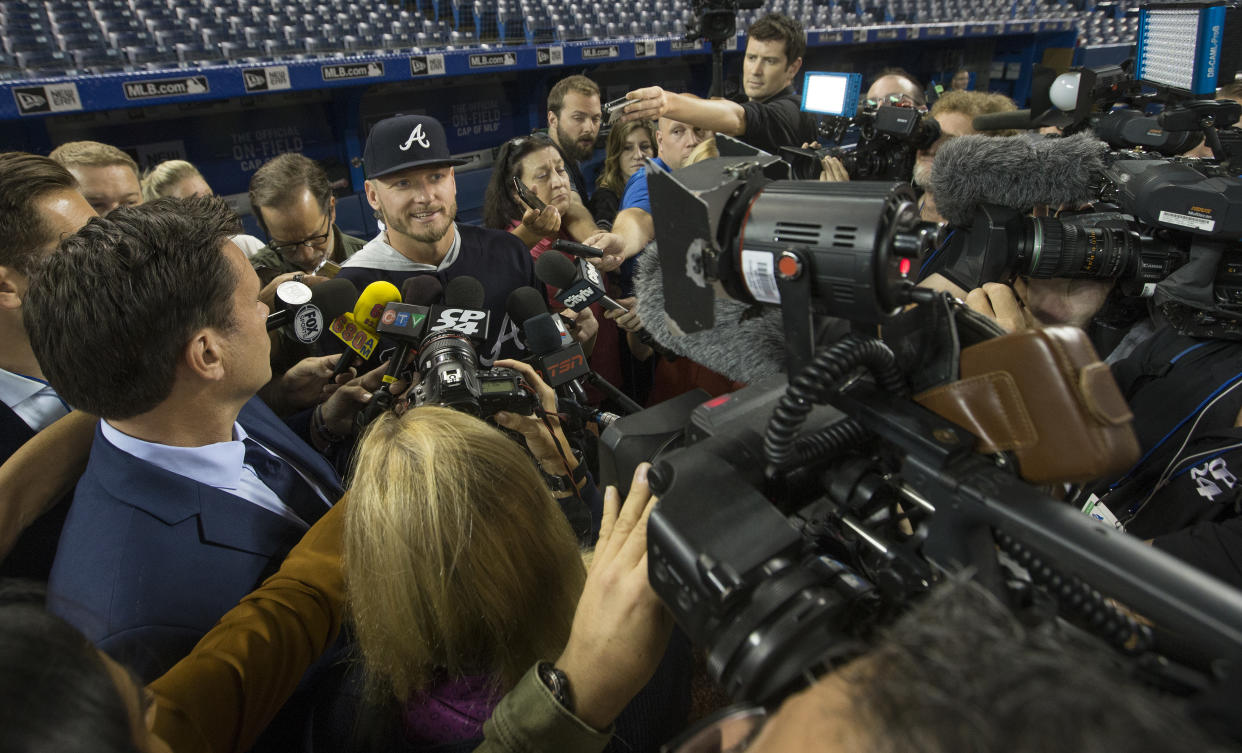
{"points": [[378, 254], [33, 400], [220, 465]]}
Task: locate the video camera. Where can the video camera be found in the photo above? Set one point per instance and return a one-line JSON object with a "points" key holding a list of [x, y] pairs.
{"points": [[889, 136], [800, 512]]}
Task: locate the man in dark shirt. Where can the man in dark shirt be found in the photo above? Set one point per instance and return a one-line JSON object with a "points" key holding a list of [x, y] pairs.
{"points": [[772, 117], [574, 116], [411, 185]]}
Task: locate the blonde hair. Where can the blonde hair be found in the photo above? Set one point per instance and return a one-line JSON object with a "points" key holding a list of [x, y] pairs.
{"points": [[456, 558], [160, 179], [610, 175], [92, 154], [705, 149], [974, 104]]}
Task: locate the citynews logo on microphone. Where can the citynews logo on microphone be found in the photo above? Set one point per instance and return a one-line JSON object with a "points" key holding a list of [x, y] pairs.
{"points": [[580, 295]]}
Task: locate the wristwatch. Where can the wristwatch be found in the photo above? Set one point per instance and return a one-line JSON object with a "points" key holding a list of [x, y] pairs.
{"points": [[563, 483], [556, 682]]}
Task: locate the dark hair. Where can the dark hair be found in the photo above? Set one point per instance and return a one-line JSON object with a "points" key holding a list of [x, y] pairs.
{"points": [[278, 181], [576, 83], [109, 312], [499, 206], [610, 176], [920, 98], [960, 674], [24, 180], [779, 27], [56, 694]]}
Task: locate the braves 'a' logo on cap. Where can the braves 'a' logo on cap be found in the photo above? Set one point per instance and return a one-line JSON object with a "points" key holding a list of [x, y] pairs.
{"points": [[416, 135]]}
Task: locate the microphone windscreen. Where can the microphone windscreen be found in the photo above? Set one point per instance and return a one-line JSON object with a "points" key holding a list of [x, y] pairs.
{"points": [[334, 297], [1014, 120], [542, 334], [745, 351], [421, 290], [1017, 172], [371, 303], [556, 270], [525, 302], [464, 292]]}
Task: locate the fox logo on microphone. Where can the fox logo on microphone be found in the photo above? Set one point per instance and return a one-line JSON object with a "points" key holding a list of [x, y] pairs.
{"points": [[466, 321]]}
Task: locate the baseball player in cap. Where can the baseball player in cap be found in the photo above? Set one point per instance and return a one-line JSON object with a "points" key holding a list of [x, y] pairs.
{"points": [[412, 188]]}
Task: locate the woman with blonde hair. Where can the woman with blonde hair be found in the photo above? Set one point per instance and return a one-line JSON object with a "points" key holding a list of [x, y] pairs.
{"points": [[461, 568], [178, 179]]}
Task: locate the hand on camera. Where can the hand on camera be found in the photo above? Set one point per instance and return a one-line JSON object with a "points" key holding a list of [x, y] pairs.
{"points": [[834, 171], [543, 443], [1000, 303], [621, 628]]}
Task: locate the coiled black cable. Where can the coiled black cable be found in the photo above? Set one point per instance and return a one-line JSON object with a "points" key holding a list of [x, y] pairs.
{"points": [[817, 382], [829, 441], [1081, 600]]}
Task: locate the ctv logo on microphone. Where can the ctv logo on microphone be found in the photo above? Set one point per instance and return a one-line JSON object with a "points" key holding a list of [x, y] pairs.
{"points": [[465, 321]]}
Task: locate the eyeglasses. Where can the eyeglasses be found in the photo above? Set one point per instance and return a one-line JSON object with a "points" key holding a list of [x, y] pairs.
{"points": [[314, 241], [730, 730]]}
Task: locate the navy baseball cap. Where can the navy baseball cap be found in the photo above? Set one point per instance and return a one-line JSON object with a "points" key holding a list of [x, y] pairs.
{"points": [[405, 141]]}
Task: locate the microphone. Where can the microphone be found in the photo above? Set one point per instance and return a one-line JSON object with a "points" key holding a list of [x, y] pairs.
{"points": [[463, 310], [744, 350], [1017, 172], [404, 322], [308, 319], [578, 285], [558, 359], [1014, 120], [581, 250], [357, 328]]}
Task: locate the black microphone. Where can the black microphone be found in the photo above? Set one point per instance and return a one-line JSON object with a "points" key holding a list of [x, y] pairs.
{"points": [[558, 358], [1014, 120], [403, 321], [1017, 172], [462, 311], [579, 285], [744, 349], [580, 250], [307, 311]]}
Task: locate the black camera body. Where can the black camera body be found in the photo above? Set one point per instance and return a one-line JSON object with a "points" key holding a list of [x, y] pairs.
{"points": [[889, 140], [450, 377]]}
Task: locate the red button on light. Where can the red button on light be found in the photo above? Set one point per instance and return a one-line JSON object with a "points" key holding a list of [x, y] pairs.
{"points": [[903, 267]]}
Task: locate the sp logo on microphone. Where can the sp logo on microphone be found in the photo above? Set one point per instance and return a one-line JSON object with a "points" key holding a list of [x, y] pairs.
{"points": [[466, 321]]}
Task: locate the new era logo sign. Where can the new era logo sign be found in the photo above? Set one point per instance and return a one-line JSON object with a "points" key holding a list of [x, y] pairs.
{"points": [[549, 56], [266, 79], [427, 65], [35, 100]]}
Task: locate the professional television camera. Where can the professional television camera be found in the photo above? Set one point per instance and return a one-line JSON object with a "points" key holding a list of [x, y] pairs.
{"points": [[799, 512], [889, 136]]}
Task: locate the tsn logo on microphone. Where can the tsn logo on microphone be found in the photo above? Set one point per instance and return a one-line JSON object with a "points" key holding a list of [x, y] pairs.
{"points": [[465, 321], [570, 367]]}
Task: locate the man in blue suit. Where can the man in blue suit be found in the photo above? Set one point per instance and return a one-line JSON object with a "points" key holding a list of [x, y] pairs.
{"points": [[39, 204], [195, 490]]}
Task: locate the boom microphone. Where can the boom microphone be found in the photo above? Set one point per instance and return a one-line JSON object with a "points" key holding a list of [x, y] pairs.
{"points": [[1017, 172], [1014, 120], [744, 350]]}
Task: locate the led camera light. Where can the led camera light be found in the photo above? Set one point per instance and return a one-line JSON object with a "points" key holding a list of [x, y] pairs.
{"points": [[1189, 47]]}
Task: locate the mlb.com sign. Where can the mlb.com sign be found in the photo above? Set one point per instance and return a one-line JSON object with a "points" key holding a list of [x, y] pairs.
{"points": [[166, 87]]}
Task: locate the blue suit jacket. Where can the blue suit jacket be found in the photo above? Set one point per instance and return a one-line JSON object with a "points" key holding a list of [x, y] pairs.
{"points": [[149, 560]]}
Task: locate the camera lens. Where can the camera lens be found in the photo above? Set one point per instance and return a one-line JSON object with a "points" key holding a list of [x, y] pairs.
{"points": [[1053, 248], [446, 363]]}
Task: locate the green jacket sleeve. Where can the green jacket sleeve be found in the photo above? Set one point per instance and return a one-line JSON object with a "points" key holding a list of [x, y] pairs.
{"points": [[529, 720]]}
